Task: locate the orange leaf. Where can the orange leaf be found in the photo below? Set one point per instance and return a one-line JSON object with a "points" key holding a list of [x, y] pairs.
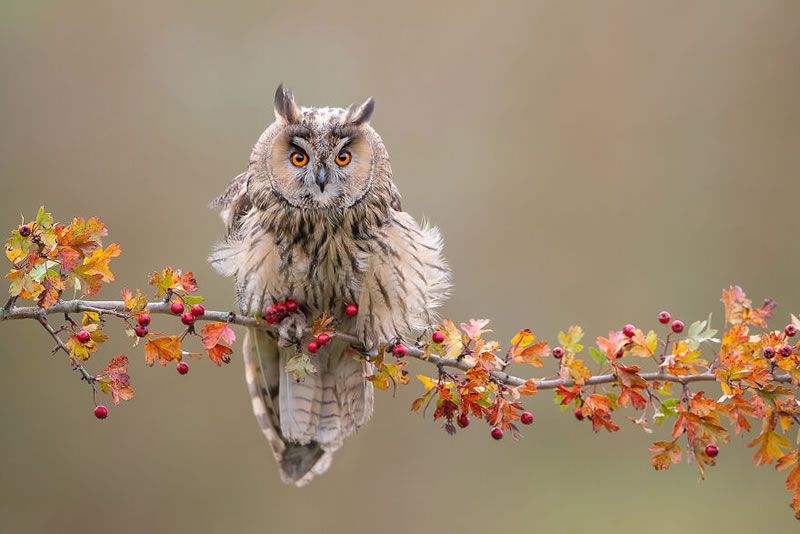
{"points": [[213, 332], [217, 352], [164, 349], [667, 453]]}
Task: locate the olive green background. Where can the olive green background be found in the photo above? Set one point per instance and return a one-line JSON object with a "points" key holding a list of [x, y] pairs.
{"points": [[588, 163]]}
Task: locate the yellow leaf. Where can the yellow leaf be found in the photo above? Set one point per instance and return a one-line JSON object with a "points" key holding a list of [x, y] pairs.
{"points": [[427, 382]]}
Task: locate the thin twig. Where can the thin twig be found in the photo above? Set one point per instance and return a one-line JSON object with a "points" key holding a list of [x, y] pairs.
{"points": [[60, 345]]}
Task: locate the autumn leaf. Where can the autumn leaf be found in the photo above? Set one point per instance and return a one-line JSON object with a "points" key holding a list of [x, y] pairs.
{"points": [[452, 343], [163, 349], [613, 345], [97, 264], [213, 332], [632, 386], [186, 282], [134, 303], [667, 453], [644, 346], [573, 369], [524, 350], [172, 280], [217, 352], [427, 382], [769, 443], [53, 285], [474, 329], [790, 460], [115, 379], [598, 409], [323, 325], [564, 396], [569, 341]]}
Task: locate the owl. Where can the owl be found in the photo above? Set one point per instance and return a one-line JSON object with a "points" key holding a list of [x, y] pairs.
{"points": [[316, 218]]}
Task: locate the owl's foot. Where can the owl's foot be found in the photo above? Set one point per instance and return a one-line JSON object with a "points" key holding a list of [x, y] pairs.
{"points": [[290, 329]]}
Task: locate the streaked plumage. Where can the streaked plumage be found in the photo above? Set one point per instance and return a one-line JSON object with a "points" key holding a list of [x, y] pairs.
{"points": [[325, 235]]}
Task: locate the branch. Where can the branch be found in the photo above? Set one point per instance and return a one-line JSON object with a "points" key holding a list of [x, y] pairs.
{"points": [[117, 308]]}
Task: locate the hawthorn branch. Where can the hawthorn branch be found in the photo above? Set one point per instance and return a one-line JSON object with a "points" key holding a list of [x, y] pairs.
{"points": [[85, 375], [118, 309]]}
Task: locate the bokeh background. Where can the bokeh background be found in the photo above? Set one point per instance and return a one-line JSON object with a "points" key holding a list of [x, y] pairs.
{"points": [[588, 163]]}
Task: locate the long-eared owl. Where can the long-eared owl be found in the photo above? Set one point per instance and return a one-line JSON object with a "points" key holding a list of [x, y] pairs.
{"points": [[316, 219]]}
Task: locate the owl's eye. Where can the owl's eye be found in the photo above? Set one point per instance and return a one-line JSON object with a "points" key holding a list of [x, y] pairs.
{"points": [[299, 159], [343, 158]]}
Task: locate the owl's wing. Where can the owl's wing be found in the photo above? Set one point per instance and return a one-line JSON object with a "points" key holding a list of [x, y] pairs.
{"points": [[305, 422], [403, 284]]}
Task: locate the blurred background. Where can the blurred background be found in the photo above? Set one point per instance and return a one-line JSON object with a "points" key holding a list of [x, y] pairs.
{"points": [[588, 163]]}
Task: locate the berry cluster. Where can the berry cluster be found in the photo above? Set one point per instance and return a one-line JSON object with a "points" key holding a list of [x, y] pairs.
{"points": [[321, 340], [144, 322], [275, 313], [187, 318]]}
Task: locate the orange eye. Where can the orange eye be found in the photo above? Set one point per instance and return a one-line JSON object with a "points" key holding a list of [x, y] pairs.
{"points": [[299, 159], [343, 158]]}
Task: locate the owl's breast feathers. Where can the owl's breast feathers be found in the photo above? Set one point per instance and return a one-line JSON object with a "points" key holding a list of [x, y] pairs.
{"points": [[371, 254]]}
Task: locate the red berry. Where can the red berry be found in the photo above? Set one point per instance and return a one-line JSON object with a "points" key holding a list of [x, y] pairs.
{"points": [[144, 320], [176, 307], [323, 339], [271, 314], [140, 330], [462, 420], [24, 230], [280, 309], [101, 412], [313, 347], [629, 330], [182, 368], [790, 330], [677, 326], [785, 350], [399, 351], [558, 353], [769, 352], [712, 450], [84, 336], [526, 418], [351, 310], [198, 310], [291, 305], [497, 433], [579, 413], [187, 318], [438, 336], [664, 317]]}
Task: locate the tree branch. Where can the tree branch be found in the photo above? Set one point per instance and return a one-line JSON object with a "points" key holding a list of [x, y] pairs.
{"points": [[117, 308]]}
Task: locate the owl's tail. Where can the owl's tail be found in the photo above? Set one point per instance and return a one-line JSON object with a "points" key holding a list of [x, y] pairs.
{"points": [[305, 422]]}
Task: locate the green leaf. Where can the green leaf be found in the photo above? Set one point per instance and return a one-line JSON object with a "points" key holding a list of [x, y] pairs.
{"points": [[45, 220], [613, 398], [38, 272], [597, 356], [192, 300], [300, 365], [700, 331], [667, 409]]}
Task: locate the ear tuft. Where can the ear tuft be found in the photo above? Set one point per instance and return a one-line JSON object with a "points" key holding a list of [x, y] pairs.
{"points": [[285, 108], [363, 114]]}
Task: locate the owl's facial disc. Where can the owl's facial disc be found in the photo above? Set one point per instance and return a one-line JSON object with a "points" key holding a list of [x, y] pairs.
{"points": [[318, 168]]}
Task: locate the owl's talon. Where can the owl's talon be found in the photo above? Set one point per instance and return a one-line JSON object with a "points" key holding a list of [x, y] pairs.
{"points": [[290, 329]]}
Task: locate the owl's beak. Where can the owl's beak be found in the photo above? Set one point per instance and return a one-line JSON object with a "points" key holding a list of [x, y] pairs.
{"points": [[322, 179]]}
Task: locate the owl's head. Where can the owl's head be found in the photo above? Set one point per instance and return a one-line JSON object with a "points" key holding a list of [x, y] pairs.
{"points": [[319, 158]]}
